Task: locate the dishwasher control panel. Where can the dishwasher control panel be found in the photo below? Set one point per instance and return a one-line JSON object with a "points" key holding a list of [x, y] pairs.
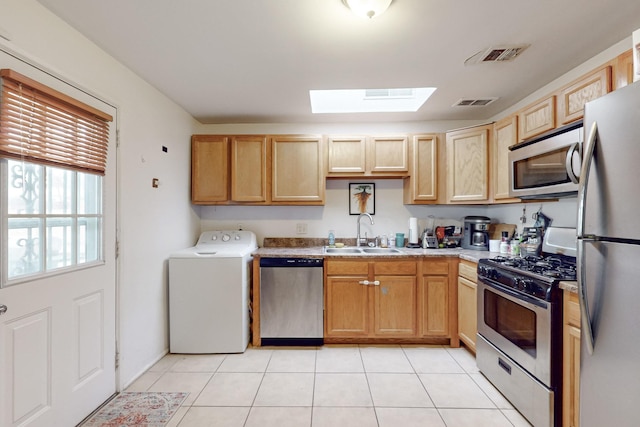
{"points": [[291, 262]]}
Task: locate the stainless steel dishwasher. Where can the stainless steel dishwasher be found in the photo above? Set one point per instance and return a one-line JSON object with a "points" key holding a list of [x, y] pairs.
{"points": [[291, 301]]}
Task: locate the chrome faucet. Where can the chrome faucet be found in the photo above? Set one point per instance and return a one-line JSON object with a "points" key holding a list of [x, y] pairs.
{"points": [[358, 239]]}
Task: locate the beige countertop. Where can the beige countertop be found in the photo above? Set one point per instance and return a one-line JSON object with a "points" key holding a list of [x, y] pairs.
{"points": [[318, 252], [571, 286]]}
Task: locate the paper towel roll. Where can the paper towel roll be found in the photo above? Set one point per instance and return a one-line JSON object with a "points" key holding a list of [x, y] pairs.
{"points": [[413, 230]]}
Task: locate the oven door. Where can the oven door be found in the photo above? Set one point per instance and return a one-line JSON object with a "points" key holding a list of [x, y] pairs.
{"points": [[517, 324]]}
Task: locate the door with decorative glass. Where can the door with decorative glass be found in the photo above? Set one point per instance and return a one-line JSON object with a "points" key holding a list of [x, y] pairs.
{"points": [[58, 276]]}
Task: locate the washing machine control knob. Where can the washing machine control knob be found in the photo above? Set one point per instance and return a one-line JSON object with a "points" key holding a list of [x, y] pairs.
{"points": [[226, 237], [237, 237]]}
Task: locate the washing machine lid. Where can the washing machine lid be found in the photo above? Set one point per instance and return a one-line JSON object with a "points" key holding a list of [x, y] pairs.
{"points": [[221, 244]]}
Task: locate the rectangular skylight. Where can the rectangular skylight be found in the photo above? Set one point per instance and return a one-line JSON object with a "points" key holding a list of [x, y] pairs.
{"points": [[369, 100]]}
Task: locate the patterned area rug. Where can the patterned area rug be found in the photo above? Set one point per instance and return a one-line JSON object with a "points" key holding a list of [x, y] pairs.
{"points": [[148, 409]]}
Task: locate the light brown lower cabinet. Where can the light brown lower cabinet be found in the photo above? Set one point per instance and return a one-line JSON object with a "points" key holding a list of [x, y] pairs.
{"points": [[467, 303], [435, 297], [571, 361], [370, 298], [386, 300]]}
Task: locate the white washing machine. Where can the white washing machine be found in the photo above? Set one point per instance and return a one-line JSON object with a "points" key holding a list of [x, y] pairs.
{"points": [[209, 293]]}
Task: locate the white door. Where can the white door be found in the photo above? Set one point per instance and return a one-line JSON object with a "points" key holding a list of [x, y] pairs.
{"points": [[58, 334]]}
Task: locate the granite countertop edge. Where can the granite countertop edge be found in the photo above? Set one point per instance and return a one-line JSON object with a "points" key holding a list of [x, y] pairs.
{"points": [[318, 252]]}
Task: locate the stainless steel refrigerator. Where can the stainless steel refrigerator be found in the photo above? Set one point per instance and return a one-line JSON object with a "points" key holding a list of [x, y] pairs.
{"points": [[609, 261]]}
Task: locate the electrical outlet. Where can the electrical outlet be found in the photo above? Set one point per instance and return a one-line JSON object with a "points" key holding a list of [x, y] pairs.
{"points": [[301, 228]]}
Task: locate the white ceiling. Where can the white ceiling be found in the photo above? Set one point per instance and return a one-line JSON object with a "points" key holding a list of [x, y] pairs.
{"points": [[254, 61]]}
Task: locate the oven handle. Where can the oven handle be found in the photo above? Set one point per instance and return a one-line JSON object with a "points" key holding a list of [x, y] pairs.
{"points": [[516, 295]]}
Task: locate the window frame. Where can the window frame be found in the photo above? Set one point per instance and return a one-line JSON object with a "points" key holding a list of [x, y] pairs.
{"points": [[44, 271]]}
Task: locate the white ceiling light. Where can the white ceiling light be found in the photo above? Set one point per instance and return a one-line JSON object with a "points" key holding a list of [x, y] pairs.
{"points": [[367, 8], [368, 100]]}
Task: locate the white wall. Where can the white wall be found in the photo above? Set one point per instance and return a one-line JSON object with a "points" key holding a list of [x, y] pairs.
{"points": [[152, 222]]}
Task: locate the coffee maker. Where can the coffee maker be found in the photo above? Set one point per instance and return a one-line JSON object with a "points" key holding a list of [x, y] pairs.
{"points": [[476, 233]]}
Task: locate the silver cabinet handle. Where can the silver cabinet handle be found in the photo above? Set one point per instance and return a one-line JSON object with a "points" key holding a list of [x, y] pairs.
{"points": [[3, 309], [366, 282]]}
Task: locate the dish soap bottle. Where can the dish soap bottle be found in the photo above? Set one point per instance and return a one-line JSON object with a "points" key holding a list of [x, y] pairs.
{"points": [[332, 238]]}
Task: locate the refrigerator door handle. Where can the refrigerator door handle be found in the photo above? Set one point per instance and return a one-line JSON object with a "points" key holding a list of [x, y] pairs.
{"points": [[584, 178], [568, 163], [582, 296]]}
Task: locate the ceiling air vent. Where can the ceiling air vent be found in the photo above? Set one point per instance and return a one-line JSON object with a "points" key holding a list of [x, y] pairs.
{"points": [[497, 54], [474, 102]]}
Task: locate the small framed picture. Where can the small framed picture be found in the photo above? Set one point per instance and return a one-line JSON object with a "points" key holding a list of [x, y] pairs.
{"points": [[362, 198]]}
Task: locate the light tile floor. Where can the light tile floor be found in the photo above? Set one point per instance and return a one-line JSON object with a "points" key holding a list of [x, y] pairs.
{"points": [[332, 386]]}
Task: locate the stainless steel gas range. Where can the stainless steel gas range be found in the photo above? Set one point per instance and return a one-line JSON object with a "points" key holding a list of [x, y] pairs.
{"points": [[519, 346]]}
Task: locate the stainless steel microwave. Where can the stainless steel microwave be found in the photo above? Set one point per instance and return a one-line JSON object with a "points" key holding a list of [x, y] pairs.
{"points": [[547, 166]]}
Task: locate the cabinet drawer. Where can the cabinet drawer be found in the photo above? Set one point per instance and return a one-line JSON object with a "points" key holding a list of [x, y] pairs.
{"points": [[395, 267], [431, 268], [347, 267], [468, 270], [571, 309]]}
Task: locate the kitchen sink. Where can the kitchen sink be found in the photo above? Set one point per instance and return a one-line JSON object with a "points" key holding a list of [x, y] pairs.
{"points": [[380, 251], [342, 250]]}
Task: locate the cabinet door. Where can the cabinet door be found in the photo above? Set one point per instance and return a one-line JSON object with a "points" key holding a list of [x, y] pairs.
{"points": [[346, 307], [435, 306], [571, 361], [467, 312], [298, 175], [394, 307], [505, 135], [249, 177], [209, 169], [346, 155], [573, 98], [422, 184], [468, 165], [624, 69], [388, 155], [537, 118]]}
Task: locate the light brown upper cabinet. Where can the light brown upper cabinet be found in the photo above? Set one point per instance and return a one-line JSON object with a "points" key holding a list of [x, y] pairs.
{"points": [[623, 69], [298, 172], [228, 169], [467, 159], [421, 187], [572, 98], [368, 156], [505, 134], [249, 169], [209, 169], [537, 118]]}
